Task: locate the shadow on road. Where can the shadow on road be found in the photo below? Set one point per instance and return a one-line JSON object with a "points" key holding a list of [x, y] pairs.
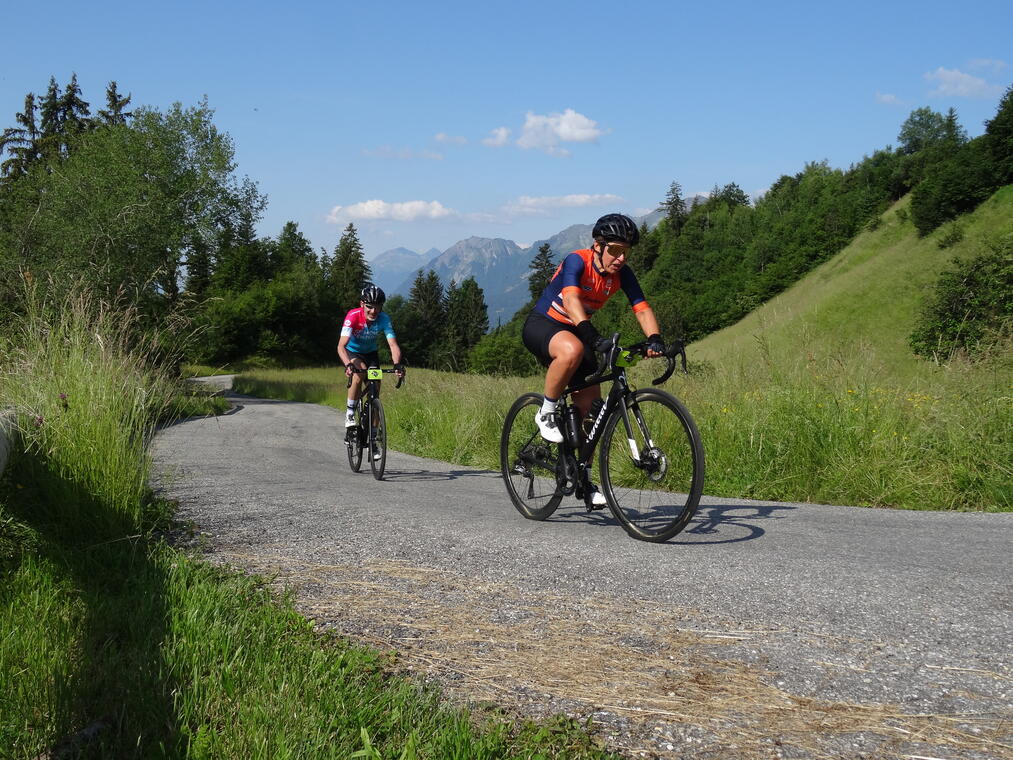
{"points": [[412, 476], [729, 524], [713, 523]]}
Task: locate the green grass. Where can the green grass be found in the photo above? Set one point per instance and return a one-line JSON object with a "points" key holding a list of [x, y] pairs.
{"points": [[815, 396], [115, 644]]}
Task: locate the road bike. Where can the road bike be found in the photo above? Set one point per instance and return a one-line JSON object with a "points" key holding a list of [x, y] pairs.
{"points": [[651, 461], [370, 429]]}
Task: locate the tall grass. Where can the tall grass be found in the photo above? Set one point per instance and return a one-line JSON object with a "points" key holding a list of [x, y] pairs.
{"points": [[113, 644], [819, 427]]}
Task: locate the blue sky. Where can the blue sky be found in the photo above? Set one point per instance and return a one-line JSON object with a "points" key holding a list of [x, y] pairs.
{"points": [[427, 123]]}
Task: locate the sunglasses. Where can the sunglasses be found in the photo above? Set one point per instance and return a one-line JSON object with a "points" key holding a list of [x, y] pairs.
{"points": [[615, 250]]}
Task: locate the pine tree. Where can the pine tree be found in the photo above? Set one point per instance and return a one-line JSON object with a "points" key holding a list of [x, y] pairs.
{"points": [[426, 314], [542, 267], [74, 113], [21, 142], [674, 207], [113, 113], [348, 272], [467, 319]]}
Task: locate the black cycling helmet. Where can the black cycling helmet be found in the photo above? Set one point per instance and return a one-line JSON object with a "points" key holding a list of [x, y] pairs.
{"points": [[372, 294], [616, 228]]}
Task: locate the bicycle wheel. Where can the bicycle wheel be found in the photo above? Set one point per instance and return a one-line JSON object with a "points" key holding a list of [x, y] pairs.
{"points": [[652, 473], [353, 440], [377, 438], [528, 461]]}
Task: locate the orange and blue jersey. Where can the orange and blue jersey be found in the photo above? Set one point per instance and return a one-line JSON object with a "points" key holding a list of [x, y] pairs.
{"points": [[577, 273], [362, 334]]}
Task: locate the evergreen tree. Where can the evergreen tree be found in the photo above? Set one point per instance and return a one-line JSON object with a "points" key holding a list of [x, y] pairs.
{"points": [[542, 267], [113, 113], [425, 319], [1000, 138], [291, 249], [466, 322], [20, 142], [74, 113], [348, 272], [242, 259], [674, 207]]}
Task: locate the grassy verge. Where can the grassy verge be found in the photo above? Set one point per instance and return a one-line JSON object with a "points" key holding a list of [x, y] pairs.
{"points": [[816, 428], [115, 644]]}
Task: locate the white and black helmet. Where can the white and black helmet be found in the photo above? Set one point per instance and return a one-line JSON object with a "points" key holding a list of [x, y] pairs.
{"points": [[616, 228], [372, 295]]}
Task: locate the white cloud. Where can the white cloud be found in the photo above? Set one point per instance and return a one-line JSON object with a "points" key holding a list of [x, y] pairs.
{"points": [[497, 137], [955, 83], [987, 63], [889, 99], [528, 205], [443, 137], [402, 154], [546, 132], [408, 211]]}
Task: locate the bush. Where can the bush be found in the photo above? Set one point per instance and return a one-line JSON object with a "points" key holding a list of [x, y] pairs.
{"points": [[971, 309]]}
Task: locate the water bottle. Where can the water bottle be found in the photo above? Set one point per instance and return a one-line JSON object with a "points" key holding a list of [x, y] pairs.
{"points": [[573, 428]]}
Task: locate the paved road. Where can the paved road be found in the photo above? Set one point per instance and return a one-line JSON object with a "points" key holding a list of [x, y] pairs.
{"points": [[892, 611]]}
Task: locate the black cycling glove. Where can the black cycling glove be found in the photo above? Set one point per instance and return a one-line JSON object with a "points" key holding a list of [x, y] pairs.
{"points": [[655, 343]]}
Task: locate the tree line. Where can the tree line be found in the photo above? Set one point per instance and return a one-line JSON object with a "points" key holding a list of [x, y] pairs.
{"points": [[711, 260], [147, 209]]}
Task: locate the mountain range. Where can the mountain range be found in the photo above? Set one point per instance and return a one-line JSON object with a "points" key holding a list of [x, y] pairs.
{"points": [[500, 267]]}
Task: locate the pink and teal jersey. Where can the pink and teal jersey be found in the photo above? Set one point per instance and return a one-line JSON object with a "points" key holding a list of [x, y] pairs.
{"points": [[361, 334]]}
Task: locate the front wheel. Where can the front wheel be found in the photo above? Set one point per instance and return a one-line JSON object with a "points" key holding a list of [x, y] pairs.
{"points": [[528, 461], [377, 438], [652, 465]]}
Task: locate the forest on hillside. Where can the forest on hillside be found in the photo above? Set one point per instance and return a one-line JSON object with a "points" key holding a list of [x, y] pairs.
{"points": [[147, 209]]}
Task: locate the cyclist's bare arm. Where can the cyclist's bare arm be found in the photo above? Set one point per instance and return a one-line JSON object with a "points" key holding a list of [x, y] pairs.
{"points": [[395, 350], [343, 354]]}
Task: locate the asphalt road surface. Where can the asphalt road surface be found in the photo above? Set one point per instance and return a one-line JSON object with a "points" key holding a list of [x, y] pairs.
{"points": [[763, 630]]}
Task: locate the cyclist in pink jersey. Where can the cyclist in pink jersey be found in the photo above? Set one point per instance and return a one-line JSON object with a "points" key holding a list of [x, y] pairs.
{"points": [[357, 345]]}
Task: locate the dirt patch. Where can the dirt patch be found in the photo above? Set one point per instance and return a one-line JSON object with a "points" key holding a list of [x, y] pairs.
{"points": [[654, 680]]}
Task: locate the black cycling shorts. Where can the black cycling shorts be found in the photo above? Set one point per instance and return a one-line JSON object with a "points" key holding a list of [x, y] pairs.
{"points": [[540, 329], [372, 359]]}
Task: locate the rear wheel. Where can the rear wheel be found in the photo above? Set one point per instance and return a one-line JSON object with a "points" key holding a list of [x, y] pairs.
{"points": [[377, 438], [528, 461], [353, 440], [652, 470]]}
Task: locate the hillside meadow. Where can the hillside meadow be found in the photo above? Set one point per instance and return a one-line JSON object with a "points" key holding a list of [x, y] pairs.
{"points": [[815, 396]]}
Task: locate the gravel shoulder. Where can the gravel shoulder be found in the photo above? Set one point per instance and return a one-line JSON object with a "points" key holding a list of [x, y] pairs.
{"points": [[764, 630]]}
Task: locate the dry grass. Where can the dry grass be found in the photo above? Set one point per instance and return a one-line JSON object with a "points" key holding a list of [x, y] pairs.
{"points": [[651, 687]]}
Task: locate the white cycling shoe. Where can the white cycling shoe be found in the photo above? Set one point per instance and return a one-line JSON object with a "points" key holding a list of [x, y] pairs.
{"points": [[349, 421], [548, 428], [598, 498]]}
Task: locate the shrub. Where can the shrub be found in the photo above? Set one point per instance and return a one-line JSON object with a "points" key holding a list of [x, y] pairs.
{"points": [[971, 309]]}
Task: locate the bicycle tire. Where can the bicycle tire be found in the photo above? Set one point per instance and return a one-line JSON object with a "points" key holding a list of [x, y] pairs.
{"points": [[353, 441], [528, 462], [655, 494], [377, 438]]}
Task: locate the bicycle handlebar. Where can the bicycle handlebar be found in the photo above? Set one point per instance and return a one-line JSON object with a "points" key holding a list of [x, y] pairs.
{"points": [[611, 356], [356, 370]]}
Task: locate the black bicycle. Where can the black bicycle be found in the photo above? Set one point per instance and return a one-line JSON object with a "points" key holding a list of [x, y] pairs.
{"points": [[651, 464], [370, 429]]}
